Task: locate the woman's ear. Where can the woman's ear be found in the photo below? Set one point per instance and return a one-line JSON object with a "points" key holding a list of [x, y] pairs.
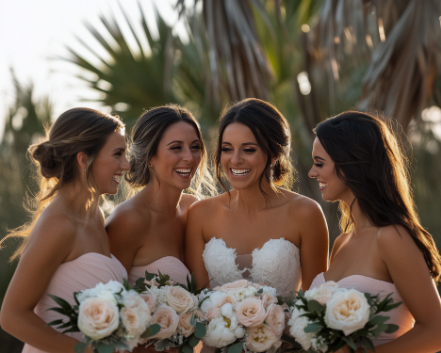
{"points": [[82, 159], [274, 160]]}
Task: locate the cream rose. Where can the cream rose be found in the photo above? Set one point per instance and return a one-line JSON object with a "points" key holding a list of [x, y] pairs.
{"points": [[276, 319], [261, 338], [242, 283], [250, 312], [348, 310], [167, 318], [98, 318], [212, 313], [185, 328], [268, 299], [322, 294], [132, 321], [150, 300], [180, 300]]}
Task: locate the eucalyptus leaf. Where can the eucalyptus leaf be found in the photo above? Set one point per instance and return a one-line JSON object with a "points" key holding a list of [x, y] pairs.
{"points": [[350, 342], [391, 328], [149, 276], [151, 330], [105, 348], [61, 302], [313, 327], [236, 348], [314, 305], [193, 341], [80, 347], [379, 319], [367, 343], [199, 330], [55, 322], [187, 348]]}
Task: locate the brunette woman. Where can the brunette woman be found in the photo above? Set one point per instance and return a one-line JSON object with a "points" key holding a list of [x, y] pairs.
{"points": [[258, 229], [383, 248], [66, 248], [167, 156]]}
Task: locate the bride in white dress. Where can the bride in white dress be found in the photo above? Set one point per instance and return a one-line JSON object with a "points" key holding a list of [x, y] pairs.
{"points": [[258, 230]]}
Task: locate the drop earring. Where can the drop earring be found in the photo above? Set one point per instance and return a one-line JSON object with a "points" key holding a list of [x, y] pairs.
{"points": [[272, 173]]}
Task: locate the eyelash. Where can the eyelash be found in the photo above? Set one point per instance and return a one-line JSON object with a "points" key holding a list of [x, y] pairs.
{"points": [[318, 165], [248, 150], [197, 147]]}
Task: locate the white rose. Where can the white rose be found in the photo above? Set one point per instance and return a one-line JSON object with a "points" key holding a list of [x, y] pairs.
{"points": [[297, 329], [270, 290], [159, 294], [98, 318], [323, 293], [180, 299], [348, 310], [136, 313]]}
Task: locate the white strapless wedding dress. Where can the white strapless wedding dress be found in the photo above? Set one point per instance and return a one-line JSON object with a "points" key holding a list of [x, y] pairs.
{"points": [[276, 264]]}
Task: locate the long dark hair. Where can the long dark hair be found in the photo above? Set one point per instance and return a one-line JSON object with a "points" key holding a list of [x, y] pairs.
{"points": [[370, 160], [272, 133]]}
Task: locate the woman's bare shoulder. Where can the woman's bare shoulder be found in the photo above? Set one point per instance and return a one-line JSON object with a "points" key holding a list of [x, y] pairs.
{"points": [[302, 205], [128, 217]]}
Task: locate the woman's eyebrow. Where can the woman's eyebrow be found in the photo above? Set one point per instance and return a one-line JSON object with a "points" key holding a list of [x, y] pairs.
{"points": [[317, 157]]}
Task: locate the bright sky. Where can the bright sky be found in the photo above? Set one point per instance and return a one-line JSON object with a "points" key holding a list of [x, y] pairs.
{"points": [[34, 35]]}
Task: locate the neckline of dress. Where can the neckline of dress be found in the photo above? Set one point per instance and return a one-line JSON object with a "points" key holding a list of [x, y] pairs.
{"points": [[258, 249], [90, 253], [366, 277], [164, 257]]}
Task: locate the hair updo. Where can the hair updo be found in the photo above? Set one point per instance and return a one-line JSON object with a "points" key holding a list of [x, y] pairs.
{"points": [[145, 138], [273, 135], [76, 130]]}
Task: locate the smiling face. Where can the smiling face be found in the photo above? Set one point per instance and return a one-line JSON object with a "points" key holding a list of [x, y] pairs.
{"points": [[242, 159], [323, 169], [178, 156], [111, 161]]}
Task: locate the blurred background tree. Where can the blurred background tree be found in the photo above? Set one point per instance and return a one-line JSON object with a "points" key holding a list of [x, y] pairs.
{"points": [[311, 58]]}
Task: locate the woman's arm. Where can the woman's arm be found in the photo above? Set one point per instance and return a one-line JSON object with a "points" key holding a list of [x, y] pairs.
{"points": [[49, 245], [195, 243], [314, 240]]}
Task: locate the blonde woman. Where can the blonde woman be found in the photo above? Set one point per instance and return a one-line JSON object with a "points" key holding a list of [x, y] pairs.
{"points": [[66, 247]]}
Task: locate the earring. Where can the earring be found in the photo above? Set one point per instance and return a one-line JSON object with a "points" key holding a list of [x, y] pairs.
{"points": [[272, 172]]}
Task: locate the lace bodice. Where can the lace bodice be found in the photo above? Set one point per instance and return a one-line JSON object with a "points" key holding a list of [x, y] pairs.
{"points": [[277, 264]]}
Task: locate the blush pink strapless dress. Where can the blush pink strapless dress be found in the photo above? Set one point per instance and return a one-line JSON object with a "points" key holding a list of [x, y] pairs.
{"points": [[168, 265], [84, 272], [400, 316]]}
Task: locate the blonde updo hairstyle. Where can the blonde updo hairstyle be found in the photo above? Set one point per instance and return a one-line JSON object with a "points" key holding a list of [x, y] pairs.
{"points": [[76, 130], [145, 138]]}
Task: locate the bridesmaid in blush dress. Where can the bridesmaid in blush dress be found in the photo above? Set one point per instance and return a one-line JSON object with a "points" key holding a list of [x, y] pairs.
{"points": [[167, 156], [66, 248], [384, 248]]}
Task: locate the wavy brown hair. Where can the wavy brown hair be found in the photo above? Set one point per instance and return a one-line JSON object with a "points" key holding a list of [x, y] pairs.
{"points": [[145, 138], [273, 135], [371, 162], [76, 130]]}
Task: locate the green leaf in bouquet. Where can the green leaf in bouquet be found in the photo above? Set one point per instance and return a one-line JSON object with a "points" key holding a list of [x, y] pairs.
{"points": [[193, 341], [61, 302], [151, 330], [187, 348], [236, 348], [126, 284], [65, 325], [350, 342], [149, 276], [55, 323], [313, 327], [105, 348], [260, 291], [81, 347], [392, 306], [391, 328], [379, 320], [379, 329], [75, 295], [200, 303], [367, 344], [59, 310], [199, 330], [72, 329], [314, 305]]}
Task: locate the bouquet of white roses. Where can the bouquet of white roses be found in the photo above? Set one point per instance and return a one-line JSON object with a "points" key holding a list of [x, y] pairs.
{"points": [[326, 318], [242, 316], [111, 316], [175, 310]]}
